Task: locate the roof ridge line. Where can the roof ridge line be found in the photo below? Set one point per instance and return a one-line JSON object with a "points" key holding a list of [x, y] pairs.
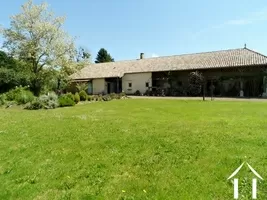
{"points": [[185, 54], [205, 52], [256, 52]]}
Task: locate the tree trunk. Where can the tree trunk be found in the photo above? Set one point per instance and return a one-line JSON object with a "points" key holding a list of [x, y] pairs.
{"points": [[36, 88]]}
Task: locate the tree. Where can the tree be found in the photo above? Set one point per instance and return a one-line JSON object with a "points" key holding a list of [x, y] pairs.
{"points": [[197, 83], [12, 73], [103, 56], [83, 55], [36, 36]]}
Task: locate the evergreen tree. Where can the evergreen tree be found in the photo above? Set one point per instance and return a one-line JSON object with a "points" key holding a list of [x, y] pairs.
{"points": [[103, 56]]}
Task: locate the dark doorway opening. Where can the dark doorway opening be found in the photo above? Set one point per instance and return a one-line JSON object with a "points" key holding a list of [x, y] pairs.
{"points": [[114, 85]]}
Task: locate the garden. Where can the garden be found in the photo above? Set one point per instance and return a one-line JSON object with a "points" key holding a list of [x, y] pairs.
{"points": [[23, 97]]}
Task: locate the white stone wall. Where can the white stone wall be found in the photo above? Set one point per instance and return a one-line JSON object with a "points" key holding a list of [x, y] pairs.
{"points": [[138, 82], [99, 86]]}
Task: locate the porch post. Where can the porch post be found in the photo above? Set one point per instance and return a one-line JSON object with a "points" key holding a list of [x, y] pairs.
{"points": [[264, 86], [117, 85], [204, 89], [241, 88]]}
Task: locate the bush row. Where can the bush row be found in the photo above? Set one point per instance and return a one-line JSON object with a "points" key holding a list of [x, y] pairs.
{"points": [[22, 95]]}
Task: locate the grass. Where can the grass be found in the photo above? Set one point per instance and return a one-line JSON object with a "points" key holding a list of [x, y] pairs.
{"points": [[132, 149]]}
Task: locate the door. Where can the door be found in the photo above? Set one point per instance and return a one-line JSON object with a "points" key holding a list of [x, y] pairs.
{"points": [[90, 88]]}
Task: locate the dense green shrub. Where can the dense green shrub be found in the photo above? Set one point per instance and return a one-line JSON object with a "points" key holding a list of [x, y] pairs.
{"points": [[11, 94], [24, 96], [76, 98], [2, 99], [36, 104], [83, 95], [64, 101], [147, 93], [70, 95], [20, 94], [49, 101], [137, 93]]}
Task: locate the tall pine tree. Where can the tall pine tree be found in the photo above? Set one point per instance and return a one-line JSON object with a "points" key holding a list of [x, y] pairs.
{"points": [[103, 56]]}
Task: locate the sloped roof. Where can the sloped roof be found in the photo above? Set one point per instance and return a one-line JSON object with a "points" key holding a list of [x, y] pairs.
{"points": [[207, 60]]}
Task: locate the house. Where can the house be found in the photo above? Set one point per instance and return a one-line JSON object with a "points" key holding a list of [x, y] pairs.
{"points": [[231, 73]]}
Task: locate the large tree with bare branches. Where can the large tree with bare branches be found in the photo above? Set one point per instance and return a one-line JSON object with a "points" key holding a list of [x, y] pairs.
{"points": [[36, 36]]}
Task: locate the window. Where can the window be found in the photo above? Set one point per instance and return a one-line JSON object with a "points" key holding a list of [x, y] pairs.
{"points": [[147, 84], [129, 85]]}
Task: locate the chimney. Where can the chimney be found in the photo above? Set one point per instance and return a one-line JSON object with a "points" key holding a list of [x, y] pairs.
{"points": [[142, 55]]}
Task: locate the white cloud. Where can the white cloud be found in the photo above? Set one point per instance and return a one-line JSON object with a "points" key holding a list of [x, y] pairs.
{"points": [[251, 18]]}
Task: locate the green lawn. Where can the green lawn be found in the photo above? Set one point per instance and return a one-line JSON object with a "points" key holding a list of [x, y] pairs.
{"points": [[132, 149]]}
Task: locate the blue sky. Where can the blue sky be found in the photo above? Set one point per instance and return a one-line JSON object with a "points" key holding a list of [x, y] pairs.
{"points": [[159, 28]]}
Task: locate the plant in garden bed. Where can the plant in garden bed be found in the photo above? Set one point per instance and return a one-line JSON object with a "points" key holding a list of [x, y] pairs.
{"points": [[94, 97], [70, 95], [36, 104], [46, 101], [50, 100], [77, 97], [65, 101], [107, 98], [122, 95], [137, 93], [2, 99], [90, 98], [113, 96], [83, 95], [23, 97], [20, 94], [100, 97], [81, 86]]}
